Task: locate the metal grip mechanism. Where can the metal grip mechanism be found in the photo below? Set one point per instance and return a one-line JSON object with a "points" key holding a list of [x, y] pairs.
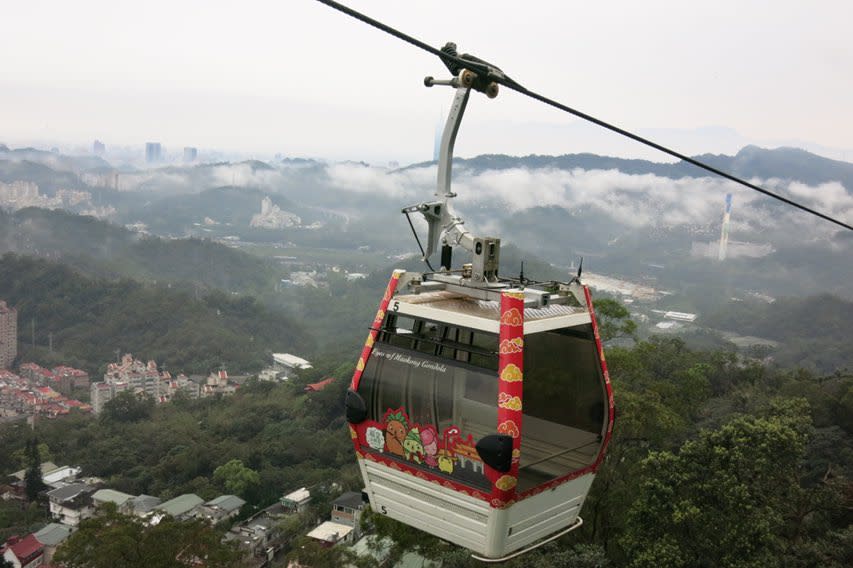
{"points": [[442, 224]]}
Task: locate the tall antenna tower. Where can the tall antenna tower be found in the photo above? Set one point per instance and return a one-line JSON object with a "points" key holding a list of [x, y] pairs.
{"points": [[724, 233]]}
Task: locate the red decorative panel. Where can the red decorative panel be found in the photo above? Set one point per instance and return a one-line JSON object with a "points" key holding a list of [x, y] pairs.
{"points": [[511, 375], [374, 328]]}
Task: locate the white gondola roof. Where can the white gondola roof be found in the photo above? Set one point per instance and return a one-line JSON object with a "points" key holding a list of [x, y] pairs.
{"points": [[469, 312]]}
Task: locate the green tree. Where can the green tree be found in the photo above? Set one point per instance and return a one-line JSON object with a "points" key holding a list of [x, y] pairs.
{"points": [[32, 477], [127, 407], [236, 478], [723, 498], [614, 320], [110, 539]]}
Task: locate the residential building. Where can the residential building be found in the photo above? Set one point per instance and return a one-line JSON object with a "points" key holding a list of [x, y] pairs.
{"points": [[220, 509], [144, 506], [61, 476], [35, 373], [51, 536], [297, 501], [347, 510], [257, 536], [331, 533], [217, 383], [101, 393], [181, 507], [26, 552], [72, 503], [8, 335], [139, 378], [68, 379], [289, 364], [122, 501]]}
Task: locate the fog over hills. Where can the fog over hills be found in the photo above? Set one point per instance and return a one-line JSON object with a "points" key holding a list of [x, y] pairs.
{"points": [[622, 216]]}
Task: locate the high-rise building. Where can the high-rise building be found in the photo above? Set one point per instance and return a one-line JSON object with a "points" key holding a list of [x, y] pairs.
{"points": [[99, 148], [153, 152], [8, 335], [190, 154]]}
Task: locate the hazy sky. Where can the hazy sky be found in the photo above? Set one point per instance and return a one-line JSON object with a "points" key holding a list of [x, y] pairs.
{"points": [[296, 77]]}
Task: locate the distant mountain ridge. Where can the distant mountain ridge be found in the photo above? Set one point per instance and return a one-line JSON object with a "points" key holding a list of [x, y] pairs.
{"points": [[751, 161]]}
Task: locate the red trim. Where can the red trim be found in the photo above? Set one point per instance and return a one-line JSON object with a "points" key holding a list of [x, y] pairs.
{"points": [[510, 383], [611, 414], [424, 474], [374, 328]]}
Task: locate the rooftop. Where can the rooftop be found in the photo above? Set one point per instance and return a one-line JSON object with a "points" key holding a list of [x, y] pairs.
{"points": [[181, 505], [46, 467], [53, 534], [330, 531], [69, 492], [298, 496], [291, 361], [145, 503], [314, 387], [350, 499], [60, 473], [443, 305], [26, 547], [112, 496], [227, 503]]}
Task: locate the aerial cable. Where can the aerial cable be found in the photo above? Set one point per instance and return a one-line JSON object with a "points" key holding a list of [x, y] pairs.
{"points": [[494, 74]]}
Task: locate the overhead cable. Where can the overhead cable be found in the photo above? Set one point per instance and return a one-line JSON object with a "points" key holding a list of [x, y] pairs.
{"points": [[498, 76]]}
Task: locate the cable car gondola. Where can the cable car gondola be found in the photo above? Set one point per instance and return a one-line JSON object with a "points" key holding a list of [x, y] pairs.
{"points": [[480, 408]]}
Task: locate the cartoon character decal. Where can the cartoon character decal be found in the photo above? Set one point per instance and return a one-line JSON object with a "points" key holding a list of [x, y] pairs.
{"points": [[414, 446], [430, 442], [447, 453], [395, 432]]}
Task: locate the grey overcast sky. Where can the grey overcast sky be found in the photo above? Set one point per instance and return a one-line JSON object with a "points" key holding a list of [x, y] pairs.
{"points": [[294, 76]]}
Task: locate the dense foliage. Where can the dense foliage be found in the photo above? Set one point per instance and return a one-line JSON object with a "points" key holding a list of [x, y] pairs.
{"points": [[110, 539], [263, 441], [90, 319]]}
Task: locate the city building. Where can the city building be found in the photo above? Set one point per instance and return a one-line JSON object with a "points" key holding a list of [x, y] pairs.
{"points": [[99, 148], [25, 552], [144, 505], [289, 364], [297, 501], [153, 152], [347, 510], [331, 533], [72, 503], [141, 379], [190, 154], [220, 509], [51, 536], [8, 335], [68, 379], [181, 507], [122, 501]]}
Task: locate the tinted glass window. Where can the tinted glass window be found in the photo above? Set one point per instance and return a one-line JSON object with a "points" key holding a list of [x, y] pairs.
{"points": [[565, 405], [430, 410]]}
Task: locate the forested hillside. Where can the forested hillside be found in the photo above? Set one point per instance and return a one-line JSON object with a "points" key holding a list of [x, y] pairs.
{"points": [[102, 249], [814, 332], [715, 461], [89, 319]]}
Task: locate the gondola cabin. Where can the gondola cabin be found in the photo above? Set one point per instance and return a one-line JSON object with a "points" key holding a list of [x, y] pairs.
{"points": [[480, 415], [480, 408]]}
